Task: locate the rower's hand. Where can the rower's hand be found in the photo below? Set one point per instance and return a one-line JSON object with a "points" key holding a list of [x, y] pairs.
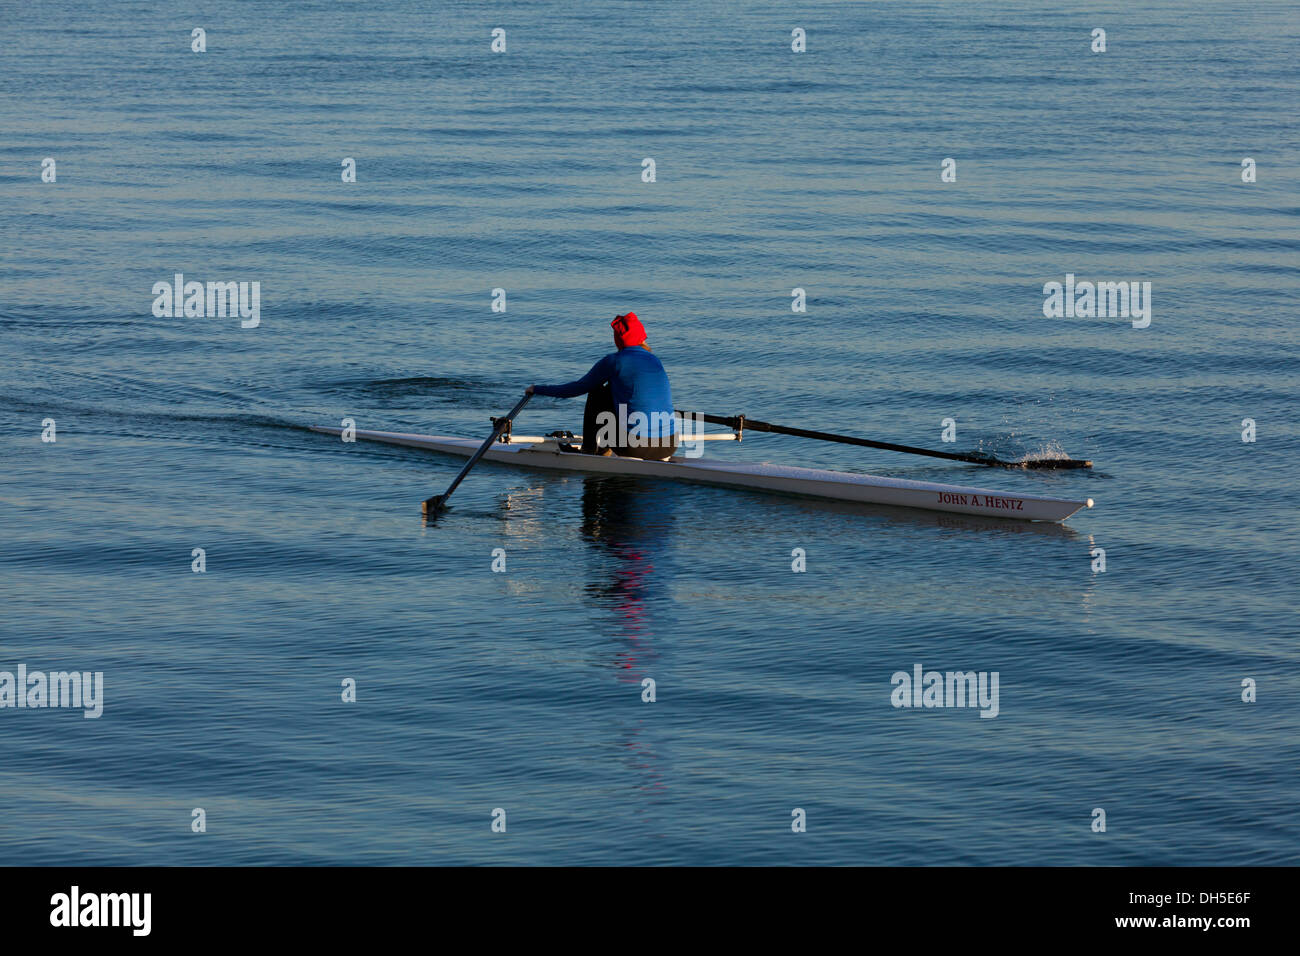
{"points": [[529, 389]]}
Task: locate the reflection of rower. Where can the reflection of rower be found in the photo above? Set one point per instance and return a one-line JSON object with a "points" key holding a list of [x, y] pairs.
{"points": [[630, 386]]}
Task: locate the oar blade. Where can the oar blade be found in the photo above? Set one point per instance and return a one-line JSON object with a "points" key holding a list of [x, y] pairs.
{"points": [[433, 507], [1056, 463]]}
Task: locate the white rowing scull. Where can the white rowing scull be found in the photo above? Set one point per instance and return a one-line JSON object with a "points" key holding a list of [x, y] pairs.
{"points": [[539, 452]]}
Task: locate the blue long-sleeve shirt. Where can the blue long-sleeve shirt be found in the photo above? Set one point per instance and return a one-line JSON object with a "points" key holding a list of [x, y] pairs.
{"points": [[636, 378]]}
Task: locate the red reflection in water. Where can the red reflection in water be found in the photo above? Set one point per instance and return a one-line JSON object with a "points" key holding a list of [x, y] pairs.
{"points": [[629, 524]]}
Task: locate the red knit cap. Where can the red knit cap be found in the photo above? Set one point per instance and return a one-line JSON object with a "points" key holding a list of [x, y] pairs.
{"points": [[628, 330]]}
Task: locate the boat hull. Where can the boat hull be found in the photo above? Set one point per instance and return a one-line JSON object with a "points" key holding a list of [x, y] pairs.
{"points": [[780, 479]]}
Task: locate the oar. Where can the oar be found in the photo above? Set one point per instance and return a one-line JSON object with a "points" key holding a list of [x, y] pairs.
{"points": [[433, 505], [740, 422]]}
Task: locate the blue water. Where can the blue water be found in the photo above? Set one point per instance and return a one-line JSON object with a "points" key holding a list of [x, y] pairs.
{"points": [[521, 690]]}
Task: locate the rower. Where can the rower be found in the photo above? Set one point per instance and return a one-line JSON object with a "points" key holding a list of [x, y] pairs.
{"points": [[628, 399]]}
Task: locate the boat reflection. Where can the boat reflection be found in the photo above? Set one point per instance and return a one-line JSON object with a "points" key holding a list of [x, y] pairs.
{"points": [[629, 522]]}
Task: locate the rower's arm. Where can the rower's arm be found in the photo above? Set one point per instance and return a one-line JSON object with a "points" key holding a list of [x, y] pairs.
{"points": [[598, 376]]}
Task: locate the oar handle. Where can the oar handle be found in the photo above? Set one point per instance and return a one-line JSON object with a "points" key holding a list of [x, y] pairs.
{"points": [[740, 422]]}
